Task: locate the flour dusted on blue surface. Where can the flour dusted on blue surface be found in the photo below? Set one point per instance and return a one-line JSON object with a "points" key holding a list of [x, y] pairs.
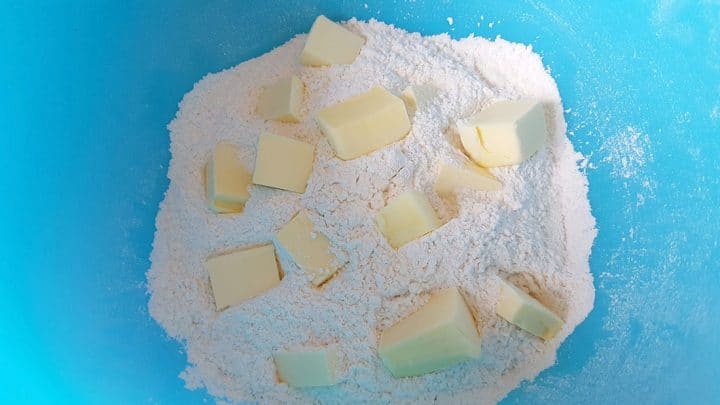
{"points": [[537, 231]]}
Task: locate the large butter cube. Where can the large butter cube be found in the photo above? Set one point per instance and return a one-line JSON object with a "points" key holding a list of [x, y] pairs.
{"points": [[282, 101], [226, 180], [406, 218], [364, 123], [505, 133], [453, 178], [243, 274], [525, 312], [308, 248], [307, 368], [440, 334], [329, 43], [283, 163]]}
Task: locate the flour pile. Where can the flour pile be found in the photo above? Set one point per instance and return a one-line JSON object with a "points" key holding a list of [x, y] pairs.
{"points": [[537, 231]]}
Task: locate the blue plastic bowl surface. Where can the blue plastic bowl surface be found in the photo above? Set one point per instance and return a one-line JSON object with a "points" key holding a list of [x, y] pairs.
{"points": [[87, 88]]}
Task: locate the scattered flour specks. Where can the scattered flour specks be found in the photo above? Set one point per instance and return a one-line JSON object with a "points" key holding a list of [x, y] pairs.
{"points": [[627, 151], [537, 231]]}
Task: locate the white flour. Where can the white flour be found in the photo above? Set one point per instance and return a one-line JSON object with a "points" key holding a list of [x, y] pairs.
{"points": [[538, 230]]}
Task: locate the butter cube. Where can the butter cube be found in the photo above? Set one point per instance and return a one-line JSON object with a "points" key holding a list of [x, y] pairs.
{"points": [[505, 133], [243, 274], [440, 334], [525, 312], [409, 97], [406, 218], [452, 178], [282, 100], [415, 95], [364, 123], [311, 368], [283, 163], [308, 248], [226, 180], [329, 43]]}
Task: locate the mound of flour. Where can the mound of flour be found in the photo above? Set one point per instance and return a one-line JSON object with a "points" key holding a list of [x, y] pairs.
{"points": [[537, 231]]}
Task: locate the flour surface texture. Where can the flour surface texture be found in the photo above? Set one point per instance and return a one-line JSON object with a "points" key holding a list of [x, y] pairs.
{"points": [[537, 231]]}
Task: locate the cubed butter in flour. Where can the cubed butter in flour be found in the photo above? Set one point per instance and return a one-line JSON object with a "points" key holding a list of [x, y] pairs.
{"points": [[505, 133], [409, 97], [453, 178], [242, 274], [309, 248], [364, 123], [416, 95], [283, 163], [226, 180], [525, 312], [307, 368], [440, 334], [281, 101], [329, 43], [406, 218]]}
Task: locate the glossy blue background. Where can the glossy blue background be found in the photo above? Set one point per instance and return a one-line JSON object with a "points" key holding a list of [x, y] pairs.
{"points": [[86, 89]]}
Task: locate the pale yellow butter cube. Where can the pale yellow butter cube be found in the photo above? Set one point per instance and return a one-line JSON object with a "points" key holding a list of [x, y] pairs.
{"points": [[415, 95], [243, 274], [226, 180], [329, 43], [308, 248], [525, 312], [307, 368], [406, 218], [364, 123], [440, 334], [283, 163], [282, 101], [505, 133], [453, 178]]}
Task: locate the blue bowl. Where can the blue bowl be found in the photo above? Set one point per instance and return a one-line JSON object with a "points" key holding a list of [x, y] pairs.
{"points": [[88, 87]]}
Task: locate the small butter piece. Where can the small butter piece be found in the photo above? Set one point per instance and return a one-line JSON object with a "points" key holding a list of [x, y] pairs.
{"points": [[505, 133], [364, 123], [415, 95], [311, 368], [226, 180], [282, 101], [308, 248], [243, 274], [329, 43], [283, 163], [525, 312], [452, 178], [409, 97], [406, 218], [440, 334]]}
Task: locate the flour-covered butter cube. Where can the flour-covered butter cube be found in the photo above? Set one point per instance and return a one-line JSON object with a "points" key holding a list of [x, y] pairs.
{"points": [[329, 43], [282, 101], [440, 334], [243, 274], [527, 313], [309, 248], [307, 368], [505, 133], [406, 218], [226, 180], [364, 123], [452, 178], [283, 163]]}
